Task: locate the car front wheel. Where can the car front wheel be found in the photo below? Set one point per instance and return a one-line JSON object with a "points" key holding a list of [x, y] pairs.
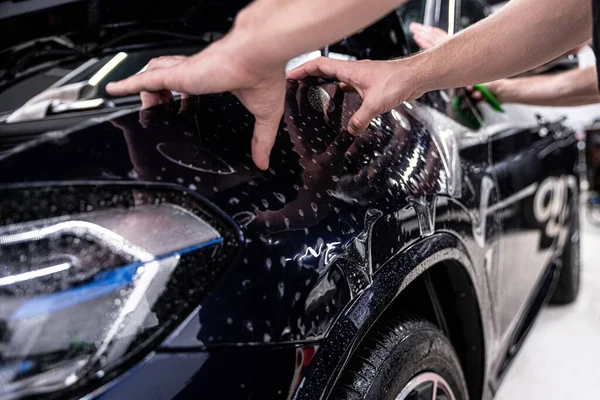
{"points": [[403, 358], [567, 286]]}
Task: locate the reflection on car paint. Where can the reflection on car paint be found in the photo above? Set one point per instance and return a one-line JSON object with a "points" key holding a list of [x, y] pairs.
{"points": [[325, 178], [331, 213], [339, 177]]}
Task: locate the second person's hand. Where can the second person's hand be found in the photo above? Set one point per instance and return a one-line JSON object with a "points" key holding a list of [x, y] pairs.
{"points": [[427, 36], [382, 85], [497, 88]]}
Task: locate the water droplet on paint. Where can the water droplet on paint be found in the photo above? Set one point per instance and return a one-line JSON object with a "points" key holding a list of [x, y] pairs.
{"points": [[279, 197]]}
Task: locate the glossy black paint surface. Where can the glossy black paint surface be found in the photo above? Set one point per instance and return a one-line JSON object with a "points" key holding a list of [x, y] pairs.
{"points": [[229, 373], [330, 230], [294, 223]]}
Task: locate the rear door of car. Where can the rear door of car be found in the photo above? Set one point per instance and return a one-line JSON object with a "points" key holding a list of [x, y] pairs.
{"points": [[531, 167], [475, 155], [531, 160]]}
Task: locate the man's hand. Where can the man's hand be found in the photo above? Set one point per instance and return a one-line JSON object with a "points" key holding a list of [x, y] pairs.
{"points": [[496, 87], [250, 60], [382, 85], [427, 36], [219, 68]]}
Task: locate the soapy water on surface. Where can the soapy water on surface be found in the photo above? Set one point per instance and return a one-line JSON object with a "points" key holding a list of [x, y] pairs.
{"points": [[279, 197]]}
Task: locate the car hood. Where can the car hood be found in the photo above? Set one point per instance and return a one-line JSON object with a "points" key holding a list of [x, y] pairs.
{"points": [[204, 144]]}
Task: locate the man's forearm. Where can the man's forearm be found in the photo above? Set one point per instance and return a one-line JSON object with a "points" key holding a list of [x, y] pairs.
{"points": [[572, 88], [281, 29], [523, 35]]}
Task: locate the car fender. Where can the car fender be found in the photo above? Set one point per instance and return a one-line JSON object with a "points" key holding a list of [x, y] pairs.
{"points": [[388, 283]]}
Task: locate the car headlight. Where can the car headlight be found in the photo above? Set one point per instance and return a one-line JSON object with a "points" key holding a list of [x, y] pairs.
{"points": [[93, 277]]}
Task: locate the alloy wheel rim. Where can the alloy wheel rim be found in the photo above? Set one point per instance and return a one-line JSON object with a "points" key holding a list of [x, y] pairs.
{"points": [[426, 386]]}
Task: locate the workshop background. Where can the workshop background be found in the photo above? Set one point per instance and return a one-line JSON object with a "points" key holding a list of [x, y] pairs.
{"points": [[557, 361]]}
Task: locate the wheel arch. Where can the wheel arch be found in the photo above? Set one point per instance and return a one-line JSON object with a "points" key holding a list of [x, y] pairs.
{"points": [[437, 258], [445, 295]]}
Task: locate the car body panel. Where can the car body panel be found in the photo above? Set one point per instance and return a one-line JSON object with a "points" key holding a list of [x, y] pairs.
{"points": [[251, 372], [280, 212], [333, 232], [318, 224], [527, 174]]}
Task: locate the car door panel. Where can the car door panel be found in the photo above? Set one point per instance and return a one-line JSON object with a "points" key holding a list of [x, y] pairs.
{"points": [[531, 167], [531, 163]]}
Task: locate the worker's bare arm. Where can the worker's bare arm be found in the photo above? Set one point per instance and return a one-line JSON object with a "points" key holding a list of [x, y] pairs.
{"points": [[523, 35], [571, 88], [250, 59]]}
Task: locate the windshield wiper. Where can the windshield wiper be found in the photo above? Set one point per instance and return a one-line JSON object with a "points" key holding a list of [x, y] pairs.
{"points": [[57, 100]]}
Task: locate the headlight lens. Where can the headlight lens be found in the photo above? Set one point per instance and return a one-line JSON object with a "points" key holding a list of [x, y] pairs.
{"points": [[83, 293]]}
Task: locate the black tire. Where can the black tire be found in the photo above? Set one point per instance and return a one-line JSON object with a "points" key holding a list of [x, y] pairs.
{"points": [[567, 285], [397, 349]]}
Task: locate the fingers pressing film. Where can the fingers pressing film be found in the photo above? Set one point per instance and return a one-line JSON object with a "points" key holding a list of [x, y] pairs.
{"points": [[357, 76], [151, 81], [362, 118], [157, 77], [265, 132], [158, 67]]}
